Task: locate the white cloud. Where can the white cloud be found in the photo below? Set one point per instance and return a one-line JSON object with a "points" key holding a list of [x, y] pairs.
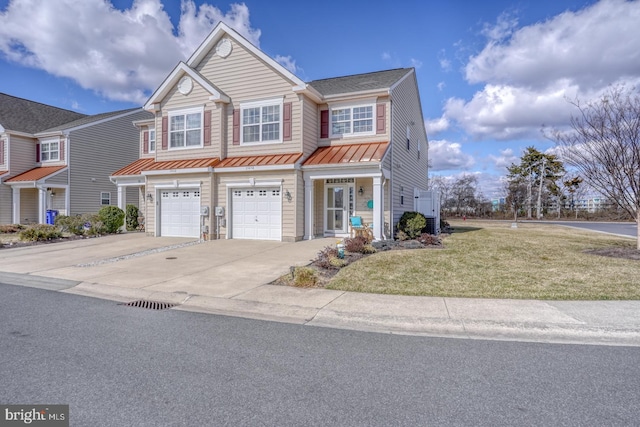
{"points": [[529, 72], [287, 62], [445, 155], [441, 86], [386, 56], [436, 125], [505, 159], [122, 55], [416, 63]]}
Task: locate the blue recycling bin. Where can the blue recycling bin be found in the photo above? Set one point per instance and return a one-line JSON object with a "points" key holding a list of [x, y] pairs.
{"points": [[51, 216]]}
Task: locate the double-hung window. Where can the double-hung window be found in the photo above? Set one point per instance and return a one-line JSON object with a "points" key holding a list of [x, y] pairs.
{"points": [[49, 150], [261, 122], [352, 120], [152, 140], [185, 129]]}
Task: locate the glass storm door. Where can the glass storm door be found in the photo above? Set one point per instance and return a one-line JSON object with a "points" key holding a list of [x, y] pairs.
{"points": [[339, 203]]}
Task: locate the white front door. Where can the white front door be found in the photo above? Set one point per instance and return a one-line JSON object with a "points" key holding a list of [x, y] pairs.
{"points": [[256, 213], [339, 204], [180, 212]]}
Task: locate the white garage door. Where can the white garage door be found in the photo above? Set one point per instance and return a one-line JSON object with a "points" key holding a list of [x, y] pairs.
{"points": [[180, 212], [256, 213]]}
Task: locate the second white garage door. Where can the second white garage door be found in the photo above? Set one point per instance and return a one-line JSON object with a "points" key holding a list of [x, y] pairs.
{"points": [[180, 212], [256, 213]]}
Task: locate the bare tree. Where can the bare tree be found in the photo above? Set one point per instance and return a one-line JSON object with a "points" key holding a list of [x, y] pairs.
{"points": [[603, 145]]}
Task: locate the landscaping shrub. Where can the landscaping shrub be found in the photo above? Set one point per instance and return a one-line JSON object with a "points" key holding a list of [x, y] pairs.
{"points": [[11, 228], [112, 218], [369, 249], [132, 217], [70, 224], [429, 239], [40, 232], [355, 244], [338, 262], [412, 224], [325, 256], [304, 277]]}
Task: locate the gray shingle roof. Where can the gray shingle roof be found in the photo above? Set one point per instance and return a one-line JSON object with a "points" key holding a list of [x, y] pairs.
{"points": [[359, 82], [90, 119], [22, 115]]}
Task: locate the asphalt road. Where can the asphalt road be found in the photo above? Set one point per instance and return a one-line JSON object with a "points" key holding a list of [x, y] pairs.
{"points": [[621, 228], [122, 366]]}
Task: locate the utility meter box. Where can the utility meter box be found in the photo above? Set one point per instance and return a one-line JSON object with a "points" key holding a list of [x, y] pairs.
{"points": [[204, 210], [219, 211]]}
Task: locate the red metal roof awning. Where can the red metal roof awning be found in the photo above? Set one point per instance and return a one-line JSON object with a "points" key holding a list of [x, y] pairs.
{"points": [[141, 165], [347, 154], [270, 160], [36, 174]]}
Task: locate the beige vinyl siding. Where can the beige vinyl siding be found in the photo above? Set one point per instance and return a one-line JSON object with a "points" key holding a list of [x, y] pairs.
{"points": [[58, 201], [408, 171], [23, 155], [62, 142], [318, 206], [382, 137], [96, 151], [360, 206], [298, 199], [6, 204], [310, 126], [244, 77], [175, 101], [28, 206], [4, 163], [288, 179], [132, 196]]}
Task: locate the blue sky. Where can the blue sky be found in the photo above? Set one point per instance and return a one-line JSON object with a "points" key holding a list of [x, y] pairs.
{"points": [[490, 73]]}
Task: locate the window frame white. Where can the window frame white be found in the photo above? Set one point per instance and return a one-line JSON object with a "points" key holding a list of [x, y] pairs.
{"points": [[102, 198], [45, 148], [152, 140], [184, 113], [369, 103], [272, 102]]}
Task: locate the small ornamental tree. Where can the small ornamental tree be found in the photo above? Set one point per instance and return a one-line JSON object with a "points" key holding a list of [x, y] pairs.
{"points": [[412, 224]]}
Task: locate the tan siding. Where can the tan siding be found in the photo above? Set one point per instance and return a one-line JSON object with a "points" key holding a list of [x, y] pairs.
{"points": [[6, 204], [318, 204], [28, 206], [408, 171], [23, 155], [361, 201], [95, 153], [61, 178], [298, 199], [310, 125], [57, 201], [4, 162], [382, 137]]}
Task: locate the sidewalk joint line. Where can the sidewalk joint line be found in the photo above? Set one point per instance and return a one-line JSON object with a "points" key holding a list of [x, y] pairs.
{"points": [[324, 306]]}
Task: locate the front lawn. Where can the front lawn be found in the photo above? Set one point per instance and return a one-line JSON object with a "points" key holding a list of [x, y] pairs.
{"points": [[485, 259]]}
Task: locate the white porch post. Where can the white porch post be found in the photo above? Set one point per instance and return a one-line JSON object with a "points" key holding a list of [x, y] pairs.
{"points": [[378, 222], [42, 205], [308, 208], [122, 197], [16, 205]]}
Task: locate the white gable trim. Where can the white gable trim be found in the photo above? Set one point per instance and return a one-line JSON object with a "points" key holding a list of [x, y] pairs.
{"points": [[172, 79], [219, 31]]}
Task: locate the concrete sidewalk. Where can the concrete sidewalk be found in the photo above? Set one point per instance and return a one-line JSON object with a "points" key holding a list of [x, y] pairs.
{"points": [[229, 277]]}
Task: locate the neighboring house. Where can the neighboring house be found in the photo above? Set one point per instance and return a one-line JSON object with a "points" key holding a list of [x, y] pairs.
{"points": [[55, 159], [242, 148]]}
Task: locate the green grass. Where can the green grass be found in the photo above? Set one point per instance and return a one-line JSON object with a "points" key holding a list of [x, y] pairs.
{"points": [[487, 259]]}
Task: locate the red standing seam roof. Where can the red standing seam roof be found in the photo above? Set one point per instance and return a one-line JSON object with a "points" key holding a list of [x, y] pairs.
{"points": [[347, 154], [36, 174], [141, 165], [269, 160]]}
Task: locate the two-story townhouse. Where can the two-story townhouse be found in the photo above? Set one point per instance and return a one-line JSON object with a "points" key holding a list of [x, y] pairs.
{"points": [[62, 164], [242, 148]]}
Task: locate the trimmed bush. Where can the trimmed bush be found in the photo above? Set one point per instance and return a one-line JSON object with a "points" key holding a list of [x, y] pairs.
{"points": [[355, 244], [369, 249], [325, 256], [40, 233], [70, 224], [338, 262], [132, 217], [112, 218], [304, 277], [11, 228], [412, 224]]}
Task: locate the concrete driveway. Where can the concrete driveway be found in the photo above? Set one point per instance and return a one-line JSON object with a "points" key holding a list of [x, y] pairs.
{"points": [[219, 268]]}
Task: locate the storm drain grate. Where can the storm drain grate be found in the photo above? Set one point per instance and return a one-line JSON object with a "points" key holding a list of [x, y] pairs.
{"points": [[151, 305]]}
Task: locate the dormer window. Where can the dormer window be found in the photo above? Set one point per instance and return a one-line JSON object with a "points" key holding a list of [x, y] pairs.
{"points": [[185, 129], [352, 120], [261, 122], [152, 140], [50, 150]]}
